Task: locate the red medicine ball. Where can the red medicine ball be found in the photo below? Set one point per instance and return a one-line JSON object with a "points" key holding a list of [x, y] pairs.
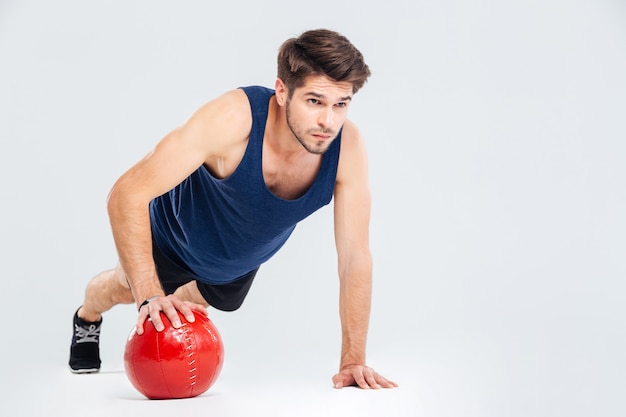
{"points": [[174, 363]]}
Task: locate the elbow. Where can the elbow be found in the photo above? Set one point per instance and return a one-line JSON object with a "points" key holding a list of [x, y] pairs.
{"points": [[124, 198], [360, 263], [114, 200]]}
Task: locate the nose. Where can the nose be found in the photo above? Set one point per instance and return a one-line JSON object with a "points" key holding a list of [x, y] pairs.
{"points": [[325, 119]]}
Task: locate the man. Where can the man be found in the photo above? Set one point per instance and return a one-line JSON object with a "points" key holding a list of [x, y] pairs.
{"points": [[194, 220]]}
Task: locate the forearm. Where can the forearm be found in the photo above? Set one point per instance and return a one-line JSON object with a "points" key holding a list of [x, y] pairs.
{"points": [[354, 305], [130, 224], [355, 300]]}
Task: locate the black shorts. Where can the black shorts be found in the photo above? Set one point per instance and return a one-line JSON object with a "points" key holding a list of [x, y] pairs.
{"points": [[225, 297]]}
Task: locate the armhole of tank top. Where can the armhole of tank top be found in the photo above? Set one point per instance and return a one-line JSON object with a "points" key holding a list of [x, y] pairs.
{"points": [[259, 120]]}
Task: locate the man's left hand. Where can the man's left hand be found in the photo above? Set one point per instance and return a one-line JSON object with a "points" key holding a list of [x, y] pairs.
{"points": [[361, 376]]}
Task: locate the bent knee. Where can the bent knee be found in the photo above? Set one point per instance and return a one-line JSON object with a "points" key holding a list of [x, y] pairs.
{"points": [[190, 292]]}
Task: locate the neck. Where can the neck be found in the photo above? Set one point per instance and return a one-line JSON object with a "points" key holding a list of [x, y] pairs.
{"points": [[277, 132]]}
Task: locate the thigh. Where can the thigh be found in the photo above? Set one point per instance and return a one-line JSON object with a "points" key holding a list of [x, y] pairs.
{"points": [[171, 276], [190, 292], [119, 277], [227, 297], [185, 285]]}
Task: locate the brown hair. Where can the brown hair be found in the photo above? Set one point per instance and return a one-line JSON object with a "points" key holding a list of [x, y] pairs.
{"points": [[321, 52]]}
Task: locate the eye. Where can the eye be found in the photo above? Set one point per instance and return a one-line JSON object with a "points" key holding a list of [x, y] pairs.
{"points": [[341, 104], [313, 101]]}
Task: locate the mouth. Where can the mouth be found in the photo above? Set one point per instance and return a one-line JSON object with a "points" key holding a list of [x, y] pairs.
{"points": [[321, 136]]}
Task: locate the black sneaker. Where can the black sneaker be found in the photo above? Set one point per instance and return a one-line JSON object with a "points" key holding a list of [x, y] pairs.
{"points": [[85, 349]]}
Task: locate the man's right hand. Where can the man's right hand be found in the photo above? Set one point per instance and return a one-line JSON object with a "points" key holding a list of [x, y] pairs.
{"points": [[169, 305]]}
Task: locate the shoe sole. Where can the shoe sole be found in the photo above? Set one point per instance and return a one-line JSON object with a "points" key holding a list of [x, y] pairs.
{"points": [[85, 371]]}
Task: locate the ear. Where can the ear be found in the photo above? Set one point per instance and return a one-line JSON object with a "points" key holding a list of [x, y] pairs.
{"points": [[281, 92]]}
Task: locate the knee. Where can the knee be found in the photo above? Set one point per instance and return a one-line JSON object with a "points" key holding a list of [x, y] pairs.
{"points": [[190, 292], [123, 296], [111, 287]]}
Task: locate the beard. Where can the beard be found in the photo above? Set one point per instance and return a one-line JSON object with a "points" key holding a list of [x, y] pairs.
{"points": [[318, 147]]}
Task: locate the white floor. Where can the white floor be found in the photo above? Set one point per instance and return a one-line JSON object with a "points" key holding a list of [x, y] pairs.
{"points": [[279, 394], [569, 368], [264, 378]]}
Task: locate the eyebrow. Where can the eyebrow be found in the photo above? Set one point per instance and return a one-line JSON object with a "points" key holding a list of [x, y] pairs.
{"points": [[317, 95]]}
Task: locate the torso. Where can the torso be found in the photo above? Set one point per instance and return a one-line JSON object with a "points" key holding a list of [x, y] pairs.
{"points": [[233, 214], [289, 178]]}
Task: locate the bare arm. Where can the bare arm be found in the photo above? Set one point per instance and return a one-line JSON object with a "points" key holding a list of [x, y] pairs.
{"points": [[352, 217], [213, 136]]}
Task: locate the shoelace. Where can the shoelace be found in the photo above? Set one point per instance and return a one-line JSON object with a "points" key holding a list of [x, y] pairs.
{"points": [[87, 334]]}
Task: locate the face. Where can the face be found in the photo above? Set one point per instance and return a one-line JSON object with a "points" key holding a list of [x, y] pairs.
{"points": [[317, 111]]}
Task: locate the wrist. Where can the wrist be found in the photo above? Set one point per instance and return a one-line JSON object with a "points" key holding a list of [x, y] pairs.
{"points": [[354, 358], [350, 363], [147, 301]]}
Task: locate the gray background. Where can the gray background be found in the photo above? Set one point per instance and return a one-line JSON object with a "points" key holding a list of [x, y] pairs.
{"points": [[496, 136]]}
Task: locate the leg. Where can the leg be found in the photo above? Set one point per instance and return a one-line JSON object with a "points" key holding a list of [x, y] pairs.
{"points": [[104, 291], [225, 297], [190, 292]]}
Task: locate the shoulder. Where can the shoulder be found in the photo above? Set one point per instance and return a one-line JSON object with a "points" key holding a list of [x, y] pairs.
{"points": [[231, 107], [353, 154], [221, 122], [351, 136]]}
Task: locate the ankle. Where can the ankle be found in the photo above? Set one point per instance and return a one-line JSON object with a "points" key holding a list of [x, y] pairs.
{"points": [[88, 315]]}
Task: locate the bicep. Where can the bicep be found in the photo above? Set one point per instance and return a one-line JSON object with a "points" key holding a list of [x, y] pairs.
{"points": [[173, 158]]}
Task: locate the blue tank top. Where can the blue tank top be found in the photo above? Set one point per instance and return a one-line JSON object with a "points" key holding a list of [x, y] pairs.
{"points": [[221, 229]]}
